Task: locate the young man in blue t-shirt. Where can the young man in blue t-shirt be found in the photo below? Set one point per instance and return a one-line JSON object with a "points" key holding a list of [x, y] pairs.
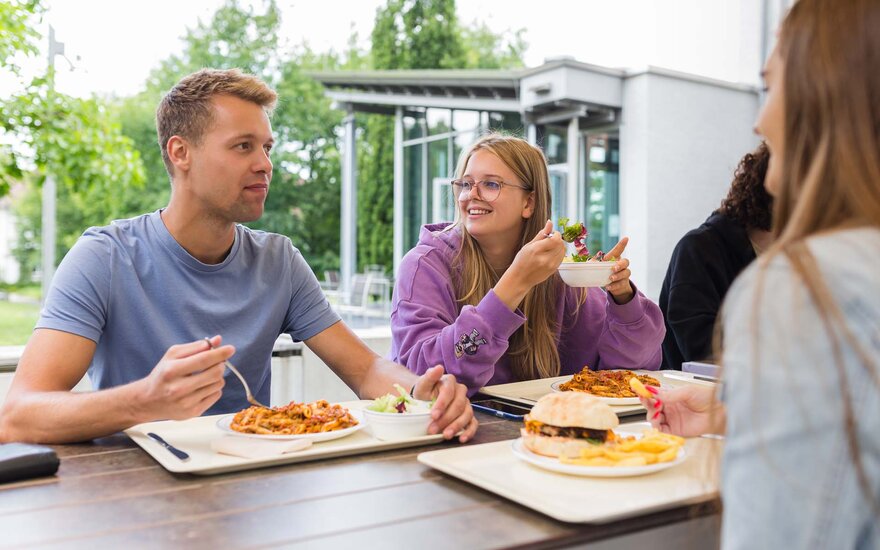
{"points": [[132, 301]]}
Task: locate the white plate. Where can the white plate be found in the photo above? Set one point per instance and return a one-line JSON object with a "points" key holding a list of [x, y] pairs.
{"points": [[554, 465], [224, 421], [610, 400]]}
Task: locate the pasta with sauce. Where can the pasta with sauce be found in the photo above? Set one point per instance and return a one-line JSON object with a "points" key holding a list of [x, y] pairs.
{"points": [[293, 419], [606, 383]]}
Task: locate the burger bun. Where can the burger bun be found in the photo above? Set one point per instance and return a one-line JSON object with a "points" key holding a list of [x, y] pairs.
{"points": [[573, 409]]}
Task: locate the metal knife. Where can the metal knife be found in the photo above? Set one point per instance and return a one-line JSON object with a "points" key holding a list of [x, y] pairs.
{"points": [[685, 378], [171, 448]]}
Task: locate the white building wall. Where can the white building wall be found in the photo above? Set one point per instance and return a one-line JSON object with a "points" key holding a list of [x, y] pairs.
{"points": [[681, 140], [634, 206]]}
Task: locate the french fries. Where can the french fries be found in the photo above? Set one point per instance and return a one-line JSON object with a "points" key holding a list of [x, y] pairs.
{"points": [[654, 447], [636, 385]]}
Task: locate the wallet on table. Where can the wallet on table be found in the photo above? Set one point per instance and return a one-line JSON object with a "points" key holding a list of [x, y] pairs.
{"points": [[25, 461]]}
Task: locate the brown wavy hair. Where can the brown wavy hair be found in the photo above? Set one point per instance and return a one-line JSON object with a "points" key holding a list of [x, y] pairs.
{"points": [[747, 201], [532, 350]]}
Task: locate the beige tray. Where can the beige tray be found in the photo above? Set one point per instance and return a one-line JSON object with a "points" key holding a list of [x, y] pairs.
{"points": [[575, 499], [530, 391], [194, 437]]}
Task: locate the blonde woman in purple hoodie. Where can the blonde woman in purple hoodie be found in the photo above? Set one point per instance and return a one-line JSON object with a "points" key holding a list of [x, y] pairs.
{"points": [[482, 297]]}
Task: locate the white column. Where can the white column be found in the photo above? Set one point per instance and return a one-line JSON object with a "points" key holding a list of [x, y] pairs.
{"points": [[47, 231], [532, 134], [571, 209], [398, 187], [348, 234]]}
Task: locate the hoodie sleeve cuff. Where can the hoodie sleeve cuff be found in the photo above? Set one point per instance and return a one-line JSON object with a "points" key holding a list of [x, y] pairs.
{"points": [[504, 322], [629, 312]]}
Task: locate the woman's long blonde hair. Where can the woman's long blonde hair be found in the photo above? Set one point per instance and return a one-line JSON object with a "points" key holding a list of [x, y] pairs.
{"points": [[533, 348], [830, 176]]}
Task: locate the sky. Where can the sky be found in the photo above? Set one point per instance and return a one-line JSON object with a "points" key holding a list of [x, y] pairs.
{"points": [[113, 44]]}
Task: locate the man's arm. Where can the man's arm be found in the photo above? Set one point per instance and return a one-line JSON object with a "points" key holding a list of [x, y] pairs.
{"points": [[40, 407], [370, 376]]}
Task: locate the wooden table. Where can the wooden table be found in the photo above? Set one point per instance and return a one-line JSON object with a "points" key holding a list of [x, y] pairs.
{"points": [[111, 494]]}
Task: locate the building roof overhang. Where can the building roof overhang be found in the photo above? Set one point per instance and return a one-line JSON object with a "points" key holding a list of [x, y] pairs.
{"points": [[553, 90]]}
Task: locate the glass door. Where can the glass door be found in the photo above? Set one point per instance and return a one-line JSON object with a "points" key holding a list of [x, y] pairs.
{"points": [[558, 191], [601, 201], [443, 205]]}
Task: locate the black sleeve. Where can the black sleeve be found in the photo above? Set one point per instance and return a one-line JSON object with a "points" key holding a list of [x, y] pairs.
{"points": [[693, 297]]}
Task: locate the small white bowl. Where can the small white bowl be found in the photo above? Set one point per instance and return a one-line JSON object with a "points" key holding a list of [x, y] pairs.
{"points": [[584, 274], [394, 426]]}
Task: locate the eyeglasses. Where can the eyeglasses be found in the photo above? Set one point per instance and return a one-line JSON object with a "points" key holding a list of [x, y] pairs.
{"points": [[487, 189]]}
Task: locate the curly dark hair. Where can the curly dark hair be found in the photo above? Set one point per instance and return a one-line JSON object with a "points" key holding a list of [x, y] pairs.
{"points": [[747, 202]]}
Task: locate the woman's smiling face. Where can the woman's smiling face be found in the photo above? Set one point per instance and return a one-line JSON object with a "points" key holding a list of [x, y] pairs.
{"points": [[505, 214]]}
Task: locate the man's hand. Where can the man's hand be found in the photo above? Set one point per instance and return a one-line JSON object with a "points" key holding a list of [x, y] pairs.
{"points": [[452, 411], [185, 383]]}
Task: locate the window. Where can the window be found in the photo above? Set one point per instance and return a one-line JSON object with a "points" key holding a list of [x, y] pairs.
{"points": [[438, 121], [413, 126], [602, 193], [412, 194], [554, 141]]}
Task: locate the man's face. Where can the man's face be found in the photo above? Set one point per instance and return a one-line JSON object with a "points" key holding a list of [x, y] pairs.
{"points": [[230, 169]]}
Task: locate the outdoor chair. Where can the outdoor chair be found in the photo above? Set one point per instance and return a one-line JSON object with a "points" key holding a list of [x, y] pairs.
{"points": [[331, 280], [369, 297]]}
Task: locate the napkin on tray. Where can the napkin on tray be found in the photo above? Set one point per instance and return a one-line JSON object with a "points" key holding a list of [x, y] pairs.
{"points": [[254, 448]]}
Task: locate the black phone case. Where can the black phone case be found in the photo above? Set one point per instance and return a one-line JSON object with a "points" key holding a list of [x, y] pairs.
{"points": [[24, 461]]}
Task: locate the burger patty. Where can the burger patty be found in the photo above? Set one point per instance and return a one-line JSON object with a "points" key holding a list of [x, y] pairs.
{"points": [[533, 426]]}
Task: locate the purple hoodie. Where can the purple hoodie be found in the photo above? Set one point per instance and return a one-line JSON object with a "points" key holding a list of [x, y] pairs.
{"points": [[430, 328]]}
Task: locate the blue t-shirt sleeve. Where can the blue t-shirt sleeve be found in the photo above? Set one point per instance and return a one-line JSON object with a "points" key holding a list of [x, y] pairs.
{"points": [[309, 312], [78, 300]]}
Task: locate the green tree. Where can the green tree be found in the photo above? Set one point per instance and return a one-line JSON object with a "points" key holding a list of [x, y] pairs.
{"points": [[81, 144], [414, 34], [18, 37], [304, 199], [225, 41], [77, 141], [235, 37], [485, 49], [305, 203], [17, 41]]}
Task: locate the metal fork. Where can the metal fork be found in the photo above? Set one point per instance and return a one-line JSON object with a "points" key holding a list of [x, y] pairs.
{"points": [[250, 396]]}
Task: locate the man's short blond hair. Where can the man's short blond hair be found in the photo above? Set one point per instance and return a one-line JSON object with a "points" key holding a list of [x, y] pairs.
{"points": [[186, 109]]}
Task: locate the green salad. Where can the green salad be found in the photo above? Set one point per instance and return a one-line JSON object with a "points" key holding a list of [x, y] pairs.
{"points": [[577, 234], [400, 403]]}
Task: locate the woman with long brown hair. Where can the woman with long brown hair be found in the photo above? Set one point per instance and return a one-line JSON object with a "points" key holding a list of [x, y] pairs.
{"points": [[801, 326], [482, 297]]}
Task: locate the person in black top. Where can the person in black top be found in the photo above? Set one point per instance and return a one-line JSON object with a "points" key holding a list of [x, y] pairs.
{"points": [[707, 260]]}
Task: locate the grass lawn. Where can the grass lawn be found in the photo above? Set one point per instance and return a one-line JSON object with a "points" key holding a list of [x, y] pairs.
{"points": [[16, 322], [32, 291]]}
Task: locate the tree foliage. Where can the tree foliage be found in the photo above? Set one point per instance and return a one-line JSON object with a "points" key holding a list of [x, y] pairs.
{"points": [[486, 49], [81, 144], [106, 156], [414, 34], [77, 141], [17, 41], [18, 37]]}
